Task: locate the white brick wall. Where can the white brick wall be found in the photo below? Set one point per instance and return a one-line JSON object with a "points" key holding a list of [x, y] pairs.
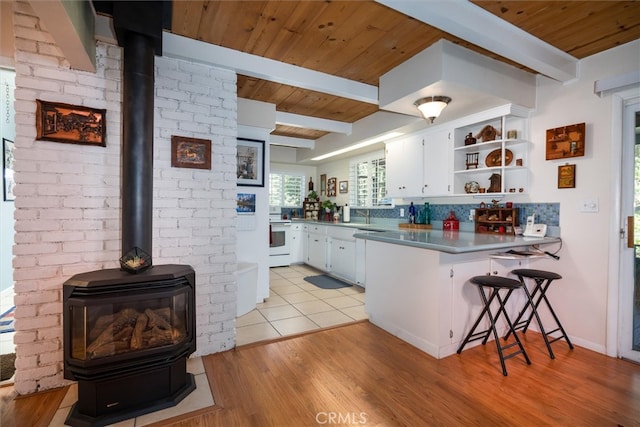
{"points": [[68, 196]]}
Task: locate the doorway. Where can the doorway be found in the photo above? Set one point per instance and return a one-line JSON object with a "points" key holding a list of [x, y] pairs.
{"points": [[7, 233], [629, 340]]}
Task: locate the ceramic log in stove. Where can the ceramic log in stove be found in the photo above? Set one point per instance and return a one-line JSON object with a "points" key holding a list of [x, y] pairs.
{"points": [[126, 341]]}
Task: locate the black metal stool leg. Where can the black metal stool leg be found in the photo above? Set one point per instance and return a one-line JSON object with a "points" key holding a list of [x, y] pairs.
{"points": [[542, 280], [471, 336], [534, 304], [493, 319], [555, 317], [499, 346]]}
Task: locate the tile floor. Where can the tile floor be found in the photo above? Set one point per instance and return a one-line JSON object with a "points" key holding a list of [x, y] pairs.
{"points": [[297, 306]]}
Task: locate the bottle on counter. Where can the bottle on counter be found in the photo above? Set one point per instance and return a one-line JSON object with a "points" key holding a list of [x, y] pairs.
{"points": [[412, 214], [427, 214]]}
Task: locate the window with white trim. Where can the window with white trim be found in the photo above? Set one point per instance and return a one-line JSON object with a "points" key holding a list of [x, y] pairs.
{"points": [[286, 189], [367, 181]]}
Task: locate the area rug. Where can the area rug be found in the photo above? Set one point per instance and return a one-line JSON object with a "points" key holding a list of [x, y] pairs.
{"points": [[6, 321], [7, 366], [326, 282]]}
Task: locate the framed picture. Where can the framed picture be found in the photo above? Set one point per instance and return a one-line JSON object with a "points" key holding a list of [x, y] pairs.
{"points": [[250, 162], [190, 152], [323, 184], [343, 186], [72, 124], [567, 176], [7, 170], [565, 141], [331, 187], [246, 204]]}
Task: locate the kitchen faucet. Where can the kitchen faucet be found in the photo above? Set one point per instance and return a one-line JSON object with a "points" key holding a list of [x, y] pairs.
{"points": [[367, 215]]}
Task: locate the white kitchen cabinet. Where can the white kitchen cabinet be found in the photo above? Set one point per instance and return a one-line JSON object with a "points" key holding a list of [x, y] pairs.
{"points": [[505, 155], [317, 253], [404, 164], [297, 242], [343, 259], [305, 242], [437, 163], [361, 254], [342, 255], [465, 297]]}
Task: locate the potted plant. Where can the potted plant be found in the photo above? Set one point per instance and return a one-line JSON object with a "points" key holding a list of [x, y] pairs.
{"points": [[312, 195], [328, 205]]}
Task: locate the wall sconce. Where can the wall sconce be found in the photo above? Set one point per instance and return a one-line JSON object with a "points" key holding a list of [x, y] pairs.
{"points": [[432, 106]]}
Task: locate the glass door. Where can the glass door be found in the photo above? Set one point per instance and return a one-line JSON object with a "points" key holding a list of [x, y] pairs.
{"points": [[630, 265]]}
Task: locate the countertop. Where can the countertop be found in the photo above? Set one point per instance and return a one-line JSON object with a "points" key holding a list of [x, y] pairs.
{"points": [[358, 225], [454, 242]]}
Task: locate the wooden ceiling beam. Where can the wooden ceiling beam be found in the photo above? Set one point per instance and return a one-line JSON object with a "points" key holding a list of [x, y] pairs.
{"points": [[307, 122], [263, 68], [473, 23]]}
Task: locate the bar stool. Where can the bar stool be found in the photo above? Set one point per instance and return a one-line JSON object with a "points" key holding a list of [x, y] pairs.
{"points": [[542, 281], [495, 284]]}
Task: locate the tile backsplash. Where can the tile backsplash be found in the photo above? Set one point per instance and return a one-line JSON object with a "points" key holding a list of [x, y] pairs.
{"points": [[546, 213]]}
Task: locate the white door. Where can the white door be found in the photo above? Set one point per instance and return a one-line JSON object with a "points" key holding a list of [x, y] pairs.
{"points": [[629, 298]]}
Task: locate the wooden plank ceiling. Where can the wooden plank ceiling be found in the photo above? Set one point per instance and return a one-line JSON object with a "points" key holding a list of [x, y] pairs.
{"points": [[362, 40]]}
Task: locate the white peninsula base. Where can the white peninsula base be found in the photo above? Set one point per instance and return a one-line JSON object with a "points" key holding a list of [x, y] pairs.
{"points": [[423, 297]]}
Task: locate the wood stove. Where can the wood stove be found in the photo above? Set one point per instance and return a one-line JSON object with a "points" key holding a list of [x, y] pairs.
{"points": [[126, 341], [127, 336]]}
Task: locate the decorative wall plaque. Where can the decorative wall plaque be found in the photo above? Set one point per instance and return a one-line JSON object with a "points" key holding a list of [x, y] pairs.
{"points": [[567, 176], [190, 152], [70, 123], [566, 141]]}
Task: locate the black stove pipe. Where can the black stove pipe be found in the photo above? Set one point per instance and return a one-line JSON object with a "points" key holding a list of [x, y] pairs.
{"points": [[137, 144], [138, 26]]}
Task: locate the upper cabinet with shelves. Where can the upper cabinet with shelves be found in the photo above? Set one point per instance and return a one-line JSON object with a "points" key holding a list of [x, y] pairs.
{"points": [[497, 161]]}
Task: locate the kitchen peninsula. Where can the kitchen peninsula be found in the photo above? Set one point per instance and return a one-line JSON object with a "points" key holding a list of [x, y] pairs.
{"points": [[417, 284]]}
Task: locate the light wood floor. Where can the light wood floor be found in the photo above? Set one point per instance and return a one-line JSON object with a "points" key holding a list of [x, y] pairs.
{"points": [[360, 375]]}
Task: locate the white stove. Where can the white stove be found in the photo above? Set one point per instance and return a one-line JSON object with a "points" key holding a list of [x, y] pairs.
{"points": [[279, 238]]}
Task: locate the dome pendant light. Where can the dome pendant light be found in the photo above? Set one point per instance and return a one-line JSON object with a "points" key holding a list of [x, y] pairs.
{"points": [[431, 106]]}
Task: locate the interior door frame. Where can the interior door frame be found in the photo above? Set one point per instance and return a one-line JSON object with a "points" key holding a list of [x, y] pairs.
{"points": [[629, 107]]}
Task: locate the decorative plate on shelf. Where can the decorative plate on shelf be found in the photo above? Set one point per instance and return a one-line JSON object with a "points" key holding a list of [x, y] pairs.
{"points": [[494, 158], [472, 187]]}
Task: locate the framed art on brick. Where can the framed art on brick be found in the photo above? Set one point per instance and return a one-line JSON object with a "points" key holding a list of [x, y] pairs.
{"points": [[72, 124], [190, 152]]}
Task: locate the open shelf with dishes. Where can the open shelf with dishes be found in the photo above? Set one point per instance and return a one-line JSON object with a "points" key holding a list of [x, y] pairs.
{"points": [[311, 209], [496, 220], [490, 155]]}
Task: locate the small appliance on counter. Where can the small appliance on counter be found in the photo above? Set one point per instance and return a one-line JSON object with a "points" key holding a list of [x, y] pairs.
{"points": [[451, 223]]}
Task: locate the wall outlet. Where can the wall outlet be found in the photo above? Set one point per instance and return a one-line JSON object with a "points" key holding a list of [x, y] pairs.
{"points": [[472, 214], [401, 212]]}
